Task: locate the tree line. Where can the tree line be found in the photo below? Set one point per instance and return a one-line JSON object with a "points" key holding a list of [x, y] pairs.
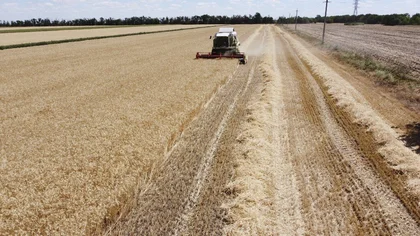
{"points": [[143, 20], [394, 19]]}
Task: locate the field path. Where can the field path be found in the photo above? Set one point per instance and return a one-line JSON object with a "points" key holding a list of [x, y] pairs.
{"points": [[272, 153]]}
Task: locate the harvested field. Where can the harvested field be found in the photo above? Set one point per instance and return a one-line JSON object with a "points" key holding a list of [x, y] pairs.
{"points": [[33, 37], [297, 170], [97, 138], [395, 46]]}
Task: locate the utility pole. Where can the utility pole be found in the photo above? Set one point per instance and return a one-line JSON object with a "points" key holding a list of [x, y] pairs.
{"points": [[296, 19], [325, 21], [288, 19]]}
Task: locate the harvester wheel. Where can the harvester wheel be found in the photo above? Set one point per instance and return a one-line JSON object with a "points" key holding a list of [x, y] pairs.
{"points": [[243, 60]]}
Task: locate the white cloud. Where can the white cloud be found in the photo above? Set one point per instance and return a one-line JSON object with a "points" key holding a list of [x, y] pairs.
{"points": [[206, 4]]}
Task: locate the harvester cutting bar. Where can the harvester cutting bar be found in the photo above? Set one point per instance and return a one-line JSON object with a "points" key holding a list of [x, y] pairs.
{"points": [[208, 55]]}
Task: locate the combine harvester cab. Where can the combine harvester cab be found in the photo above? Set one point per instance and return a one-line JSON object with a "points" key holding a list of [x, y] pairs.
{"points": [[225, 45]]}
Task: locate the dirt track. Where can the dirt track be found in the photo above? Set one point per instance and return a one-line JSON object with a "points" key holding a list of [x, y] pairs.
{"points": [[272, 153]]}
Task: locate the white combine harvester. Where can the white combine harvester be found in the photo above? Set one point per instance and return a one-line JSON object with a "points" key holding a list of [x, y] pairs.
{"points": [[225, 45]]}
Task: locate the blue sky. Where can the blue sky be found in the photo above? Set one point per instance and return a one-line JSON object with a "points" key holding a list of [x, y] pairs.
{"points": [[70, 9]]}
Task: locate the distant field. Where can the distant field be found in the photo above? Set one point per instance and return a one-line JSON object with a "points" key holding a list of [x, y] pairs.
{"points": [[48, 27], [5, 30], [41, 36], [392, 45]]}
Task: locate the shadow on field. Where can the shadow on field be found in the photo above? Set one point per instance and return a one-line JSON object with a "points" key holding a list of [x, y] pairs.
{"points": [[412, 138]]}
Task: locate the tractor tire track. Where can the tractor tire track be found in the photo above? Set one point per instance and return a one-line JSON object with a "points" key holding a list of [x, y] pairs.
{"points": [[372, 202], [168, 206], [334, 175], [207, 163]]}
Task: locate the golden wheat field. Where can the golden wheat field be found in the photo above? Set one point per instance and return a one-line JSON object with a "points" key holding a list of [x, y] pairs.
{"points": [[134, 136], [83, 123], [40, 36]]}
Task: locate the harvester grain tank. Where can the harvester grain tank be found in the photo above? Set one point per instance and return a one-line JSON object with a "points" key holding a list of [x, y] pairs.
{"points": [[225, 45]]}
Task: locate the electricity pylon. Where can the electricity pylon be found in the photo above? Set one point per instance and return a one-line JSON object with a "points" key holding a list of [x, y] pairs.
{"points": [[356, 5]]}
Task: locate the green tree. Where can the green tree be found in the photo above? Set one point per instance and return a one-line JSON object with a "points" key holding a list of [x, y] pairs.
{"points": [[257, 18], [415, 19]]}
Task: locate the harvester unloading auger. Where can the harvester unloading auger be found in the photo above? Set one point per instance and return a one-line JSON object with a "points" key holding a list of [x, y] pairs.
{"points": [[225, 45]]}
